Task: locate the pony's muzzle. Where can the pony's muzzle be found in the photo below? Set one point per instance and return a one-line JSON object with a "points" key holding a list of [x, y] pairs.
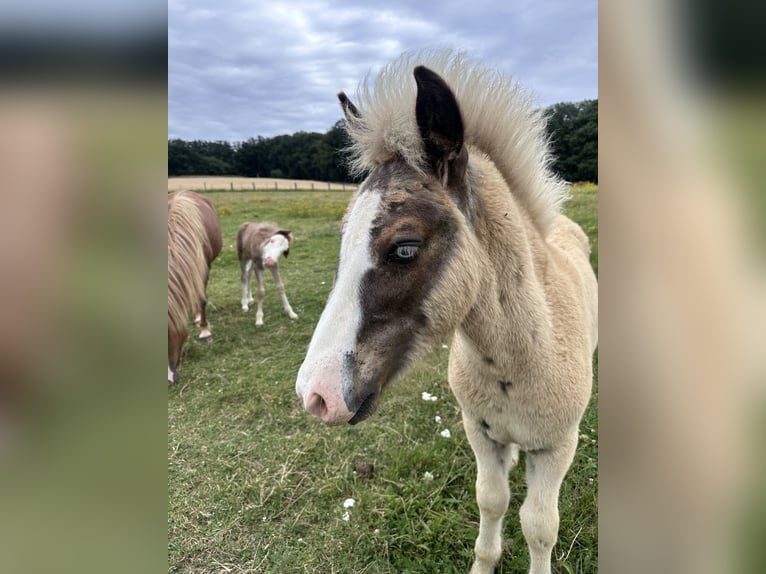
{"points": [[270, 262], [331, 412], [320, 390]]}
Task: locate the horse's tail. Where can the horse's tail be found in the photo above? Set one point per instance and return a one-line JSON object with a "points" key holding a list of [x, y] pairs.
{"points": [[186, 261]]}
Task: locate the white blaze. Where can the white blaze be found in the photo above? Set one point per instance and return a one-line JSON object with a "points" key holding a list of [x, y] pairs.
{"points": [[274, 247], [336, 331]]}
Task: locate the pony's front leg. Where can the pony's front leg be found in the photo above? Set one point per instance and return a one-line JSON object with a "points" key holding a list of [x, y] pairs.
{"points": [[247, 296], [281, 289], [493, 462], [259, 294], [540, 514], [204, 335]]}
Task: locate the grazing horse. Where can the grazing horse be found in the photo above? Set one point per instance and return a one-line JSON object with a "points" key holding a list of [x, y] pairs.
{"points": [[259, 245], [457, 233], [194, 241]]}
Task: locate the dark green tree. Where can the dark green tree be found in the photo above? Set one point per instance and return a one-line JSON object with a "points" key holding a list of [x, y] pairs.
{"points": [[573, 131]]}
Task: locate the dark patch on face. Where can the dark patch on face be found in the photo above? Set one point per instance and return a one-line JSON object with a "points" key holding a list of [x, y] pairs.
{"points": [[504, 386], [489, 360], [392, 293], [484, 425]]}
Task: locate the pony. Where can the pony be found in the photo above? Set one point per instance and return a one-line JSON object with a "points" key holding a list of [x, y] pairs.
{"points": [[194, 241], [259, 245], [456, 233]]}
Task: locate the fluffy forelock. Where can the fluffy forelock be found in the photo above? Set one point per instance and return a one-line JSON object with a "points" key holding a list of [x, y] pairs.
{"points": [[499, 119]]}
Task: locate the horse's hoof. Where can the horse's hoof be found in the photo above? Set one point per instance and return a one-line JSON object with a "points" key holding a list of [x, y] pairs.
{"points": [[208, 339]]}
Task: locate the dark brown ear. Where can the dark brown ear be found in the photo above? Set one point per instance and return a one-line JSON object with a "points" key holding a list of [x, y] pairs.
{"points": [[287, 233], [349, 109], [439, 121]]}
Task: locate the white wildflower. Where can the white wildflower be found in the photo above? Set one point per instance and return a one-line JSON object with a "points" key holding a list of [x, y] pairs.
{"points": [[426, 396], [428, 476], [438, 419], [445, 433], [346, 516], [349, 502]]}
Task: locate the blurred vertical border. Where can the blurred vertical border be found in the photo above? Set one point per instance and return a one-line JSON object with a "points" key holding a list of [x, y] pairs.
{"points": [[682, 126], [83, 135]]}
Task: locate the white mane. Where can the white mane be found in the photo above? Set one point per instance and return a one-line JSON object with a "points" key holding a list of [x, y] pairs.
{"points": [[499, 119]]}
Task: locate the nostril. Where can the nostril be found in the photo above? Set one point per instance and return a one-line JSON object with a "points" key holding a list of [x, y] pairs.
{"points": [[316, 405]]}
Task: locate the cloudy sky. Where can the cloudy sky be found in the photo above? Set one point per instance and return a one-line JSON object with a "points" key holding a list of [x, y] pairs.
{"points": [[245, 68]]}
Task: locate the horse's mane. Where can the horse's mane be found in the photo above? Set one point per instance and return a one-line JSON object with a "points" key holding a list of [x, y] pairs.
{"points": [[499, 119], [186, 260]]}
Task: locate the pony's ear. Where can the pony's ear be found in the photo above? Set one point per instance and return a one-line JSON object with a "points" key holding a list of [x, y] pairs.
{"points": [[439, 122], [287, 233], [349, 109]]}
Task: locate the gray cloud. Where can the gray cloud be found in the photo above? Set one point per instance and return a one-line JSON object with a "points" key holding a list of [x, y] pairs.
{"points": [[239, 69]]}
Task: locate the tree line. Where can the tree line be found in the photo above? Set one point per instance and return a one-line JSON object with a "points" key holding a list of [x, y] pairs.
{"points": [[572, 129]]}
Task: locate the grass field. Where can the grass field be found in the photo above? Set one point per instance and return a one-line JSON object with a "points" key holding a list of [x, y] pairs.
{"points": [[255, 484]]}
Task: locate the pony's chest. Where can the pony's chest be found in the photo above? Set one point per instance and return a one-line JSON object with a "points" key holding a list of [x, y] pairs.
{"points": [[506, 408]]}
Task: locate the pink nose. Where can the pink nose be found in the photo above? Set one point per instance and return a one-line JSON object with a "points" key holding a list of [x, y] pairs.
{"points": [[269, 262], [316, 405]]}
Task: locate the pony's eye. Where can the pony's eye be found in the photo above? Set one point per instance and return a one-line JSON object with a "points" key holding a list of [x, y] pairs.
{"points": [[404, 252]]}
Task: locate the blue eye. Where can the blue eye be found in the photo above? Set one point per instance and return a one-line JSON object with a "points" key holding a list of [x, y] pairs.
{"points": [[404, 251]]}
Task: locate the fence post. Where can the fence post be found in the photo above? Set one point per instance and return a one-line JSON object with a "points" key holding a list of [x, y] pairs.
{"points": [[312, 186], [231, 185], [328, 186], [253, 185], [295, 185], [204, 184], [275, 185]]}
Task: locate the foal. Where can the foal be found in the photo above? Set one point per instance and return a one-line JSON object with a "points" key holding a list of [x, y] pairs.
{"points": [[259, 245], [457, 232]]}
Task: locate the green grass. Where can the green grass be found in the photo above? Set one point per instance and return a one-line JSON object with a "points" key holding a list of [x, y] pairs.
{"points": [[257, 485]]}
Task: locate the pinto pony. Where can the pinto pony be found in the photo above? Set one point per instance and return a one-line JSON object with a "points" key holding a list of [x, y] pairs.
{"points": [[194, 241], [259, 246], [457, 233]]}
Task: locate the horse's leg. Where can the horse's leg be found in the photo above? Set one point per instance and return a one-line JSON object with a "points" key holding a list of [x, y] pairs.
{"points": [[281, 289], [540, 514], [259, 294], [493, 462], [247, 296], [205, 334], [175, 344]]}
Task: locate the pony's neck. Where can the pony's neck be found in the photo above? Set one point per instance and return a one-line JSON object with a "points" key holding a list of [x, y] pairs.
{"points": [[510, 317]]}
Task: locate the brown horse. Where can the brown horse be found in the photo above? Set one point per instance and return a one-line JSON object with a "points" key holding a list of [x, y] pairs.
{"points": [[457, 233], [194, 241]]}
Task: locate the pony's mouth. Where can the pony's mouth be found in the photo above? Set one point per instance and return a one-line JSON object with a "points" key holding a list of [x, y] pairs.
{"points": [[365, 409]]}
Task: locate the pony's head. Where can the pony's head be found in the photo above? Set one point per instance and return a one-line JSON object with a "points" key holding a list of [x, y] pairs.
{"points": [[278, 244], [407, 272]]}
